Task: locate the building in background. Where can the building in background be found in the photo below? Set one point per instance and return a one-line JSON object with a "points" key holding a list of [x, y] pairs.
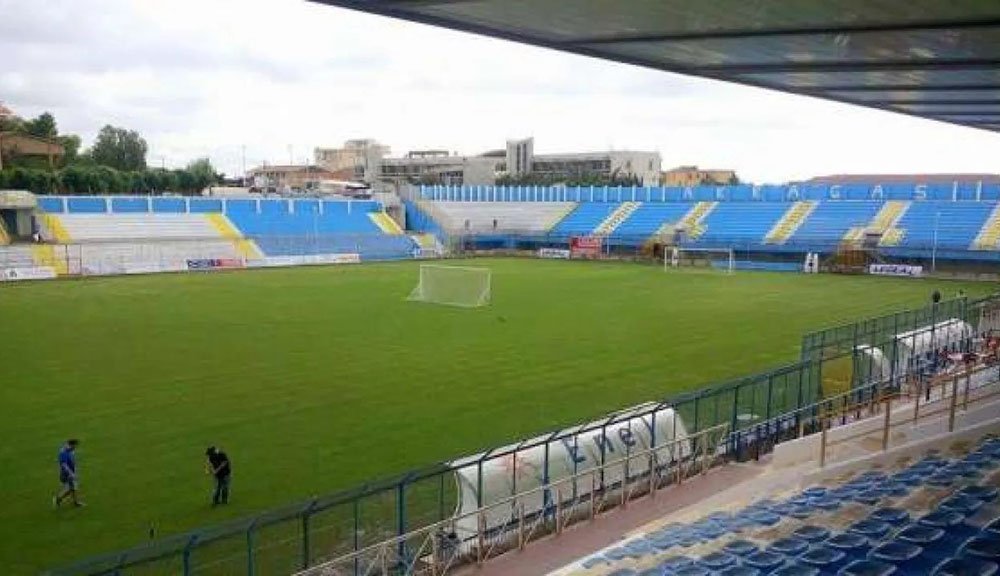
{"points": [[693, 176], [289, 178], [439, 167], [357, 160], [614, 166], [16, 147]]}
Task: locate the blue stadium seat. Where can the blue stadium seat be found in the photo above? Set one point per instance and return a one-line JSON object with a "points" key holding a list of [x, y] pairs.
{"points": [[931, 540], [855, 546], [867, 568], [765, 561], [739, 571], [902, 555], [740, 547], [717, 560], [796, 569], [981, 548], [893, 516], [811, 534], [965, 567], [871, 529], [826, 560]]}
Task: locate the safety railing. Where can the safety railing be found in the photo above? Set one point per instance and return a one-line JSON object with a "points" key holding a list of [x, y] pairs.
{"points": [[436, 548]]}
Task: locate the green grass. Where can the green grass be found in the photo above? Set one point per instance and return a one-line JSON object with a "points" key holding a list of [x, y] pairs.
{"points": [[315, 379]]}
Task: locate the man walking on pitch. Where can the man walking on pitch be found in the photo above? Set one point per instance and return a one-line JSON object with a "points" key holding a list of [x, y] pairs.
{"points": [[67, 474], [219, 466]]}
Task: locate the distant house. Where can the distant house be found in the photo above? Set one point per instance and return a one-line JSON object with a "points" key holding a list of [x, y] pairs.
{"points": [[294, 177], [15, 145], [694, 176]]}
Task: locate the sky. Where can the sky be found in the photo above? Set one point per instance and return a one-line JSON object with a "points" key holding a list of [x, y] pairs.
{"points": [[269, 80]]}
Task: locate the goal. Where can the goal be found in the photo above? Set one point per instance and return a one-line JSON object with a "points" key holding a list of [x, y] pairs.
{"points": [[714, 258], [462, 286]]}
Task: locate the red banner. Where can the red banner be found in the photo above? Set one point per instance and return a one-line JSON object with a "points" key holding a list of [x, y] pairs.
{"points": [[585, 246]]}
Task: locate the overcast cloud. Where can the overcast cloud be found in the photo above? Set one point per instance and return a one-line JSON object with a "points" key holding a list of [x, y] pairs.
{"points": [[207, 77]]}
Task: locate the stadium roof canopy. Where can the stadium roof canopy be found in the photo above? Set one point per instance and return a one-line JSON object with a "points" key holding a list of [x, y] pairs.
{"points": [[936, 59]]}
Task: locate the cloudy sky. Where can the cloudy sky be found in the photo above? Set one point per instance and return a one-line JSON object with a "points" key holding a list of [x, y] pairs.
{"points": [[279, 77]]}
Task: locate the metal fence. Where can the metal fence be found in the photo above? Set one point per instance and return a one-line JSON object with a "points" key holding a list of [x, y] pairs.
{"points": [[757, 411]]}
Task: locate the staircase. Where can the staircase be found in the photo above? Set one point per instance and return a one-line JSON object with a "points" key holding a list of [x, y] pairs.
{"points": [[559, 218], [246, 247], [45, 255], [989, 236], [691, 222], [385, 223], [53, 230], [790, 222], [884, 223], [616, 218]]}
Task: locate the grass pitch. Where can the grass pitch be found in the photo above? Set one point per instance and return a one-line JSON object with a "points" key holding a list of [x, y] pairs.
{"points": [[315, 379]]}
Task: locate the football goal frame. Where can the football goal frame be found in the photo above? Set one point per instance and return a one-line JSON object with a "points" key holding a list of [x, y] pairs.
{"points": [[461, 286], [677, 257]]}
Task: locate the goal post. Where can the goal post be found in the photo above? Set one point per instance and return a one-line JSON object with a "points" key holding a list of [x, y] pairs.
{"points": [[463, 286], [715, 258]]}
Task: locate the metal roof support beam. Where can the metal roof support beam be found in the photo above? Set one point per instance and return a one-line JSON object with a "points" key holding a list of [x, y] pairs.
{"points": [[849, 66], [801, 31]]}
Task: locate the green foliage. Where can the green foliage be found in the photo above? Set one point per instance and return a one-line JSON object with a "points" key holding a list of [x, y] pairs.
{"points": [[120, 149], [44, 126], [287, 370]]}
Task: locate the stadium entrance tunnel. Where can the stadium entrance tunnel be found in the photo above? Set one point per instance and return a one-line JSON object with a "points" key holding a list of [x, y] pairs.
{"points": [[16, 215]]}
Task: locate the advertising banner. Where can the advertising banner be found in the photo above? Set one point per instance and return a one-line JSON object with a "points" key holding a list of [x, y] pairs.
{"points": [[214, 263], [585, 246], [557, 253], [35, 273], [895, 270]]}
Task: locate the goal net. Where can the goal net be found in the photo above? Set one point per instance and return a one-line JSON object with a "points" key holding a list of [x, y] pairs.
{"points": [[710, 258], [462, 286]]}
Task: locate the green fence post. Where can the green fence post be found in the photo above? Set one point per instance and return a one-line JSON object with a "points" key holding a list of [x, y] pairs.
{"points": [[250, 555], [305, 532], [186, 559]]}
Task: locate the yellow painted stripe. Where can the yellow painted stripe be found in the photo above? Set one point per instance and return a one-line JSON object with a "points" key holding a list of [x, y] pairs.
{"points": [[56, 228], [559, 217], [45, 255], [385, 223], [224, 226], [4, 237], [246, 247]]}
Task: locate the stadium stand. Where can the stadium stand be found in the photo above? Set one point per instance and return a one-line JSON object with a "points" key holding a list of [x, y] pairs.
{"points": [[585, 218], [831, 221], [741, 223], [509, 216], [960, 222], [102, 235], [931, 510], [650, 218]]}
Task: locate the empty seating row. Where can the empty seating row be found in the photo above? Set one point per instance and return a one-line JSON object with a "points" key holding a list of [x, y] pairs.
{"points": [[111, 227], [937, 515], [486, 217]]}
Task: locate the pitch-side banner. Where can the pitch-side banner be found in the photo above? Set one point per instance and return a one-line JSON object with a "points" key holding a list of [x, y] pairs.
{"points": [[585, 246], [305, 260], [557, 253], [214, 263], [895, 270], [35, 273]]}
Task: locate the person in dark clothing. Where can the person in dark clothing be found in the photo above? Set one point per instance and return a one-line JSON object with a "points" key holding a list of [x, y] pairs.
{"points": [[936, 297], [219, 466], [67, 474]]}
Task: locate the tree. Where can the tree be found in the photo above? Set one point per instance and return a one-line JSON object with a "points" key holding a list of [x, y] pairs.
{"points": [[120, 149], [202, 174], [43, 127], [71, 148]]}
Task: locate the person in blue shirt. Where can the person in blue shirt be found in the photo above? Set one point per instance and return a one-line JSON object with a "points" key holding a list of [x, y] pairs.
{"points": [[67, 474]]}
